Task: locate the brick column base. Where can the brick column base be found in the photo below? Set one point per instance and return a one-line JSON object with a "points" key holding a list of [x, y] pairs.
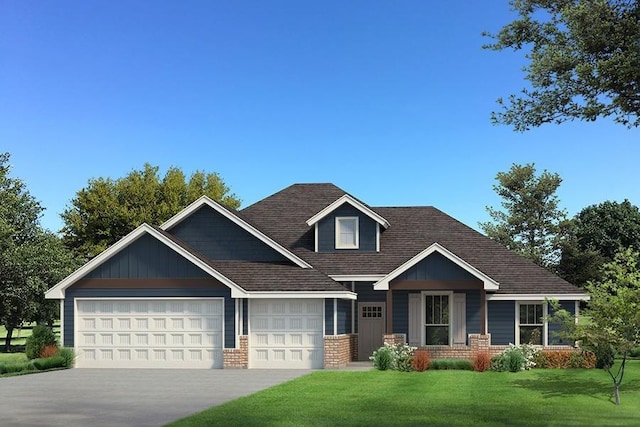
{"points": [[339, 350], [393, 339], [237, 357]]}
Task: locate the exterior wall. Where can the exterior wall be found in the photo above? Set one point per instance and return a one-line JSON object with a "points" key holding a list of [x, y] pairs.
{"points": [[328, 316], [146, 258], [474, 312], [554, 328], [367, 294], [339, 350], [436, 267], [501, 321], [237, 357], [327, 231], [400, 312], [229, 304], [344, 316], [217, 237]]}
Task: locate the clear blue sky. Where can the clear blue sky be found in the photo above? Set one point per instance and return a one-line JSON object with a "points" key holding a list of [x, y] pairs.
{"points": [[388, 100]]}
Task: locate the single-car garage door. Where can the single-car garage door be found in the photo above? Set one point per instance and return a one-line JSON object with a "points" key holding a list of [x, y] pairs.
{"points": [[286, 333], [149, 333]]}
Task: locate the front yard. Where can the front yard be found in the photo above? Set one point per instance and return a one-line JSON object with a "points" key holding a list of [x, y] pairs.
{"points": [[436, 398]]}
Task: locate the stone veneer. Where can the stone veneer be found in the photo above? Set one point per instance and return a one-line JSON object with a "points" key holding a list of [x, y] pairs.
{"points": [[237, 357], [339, 350]]}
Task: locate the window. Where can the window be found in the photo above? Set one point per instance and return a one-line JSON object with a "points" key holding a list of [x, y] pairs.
{"points": [[531, 323], [437, 320], [347, 233]]}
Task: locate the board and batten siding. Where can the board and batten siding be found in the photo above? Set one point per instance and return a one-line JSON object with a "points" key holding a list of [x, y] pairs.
{"points": [[367, 229], [216, 237], [502, 322], [435, 267], [229, 305], [146, 258]]}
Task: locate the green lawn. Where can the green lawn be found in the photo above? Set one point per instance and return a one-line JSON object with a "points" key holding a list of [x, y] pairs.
{"points": [[19, 337], [12, 357], [436, 398]]}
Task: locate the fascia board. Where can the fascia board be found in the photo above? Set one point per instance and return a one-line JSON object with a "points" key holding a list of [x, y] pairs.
{"points": [[489, 283], [537, 297], [296, 294], [353, 202], [204, 200]]}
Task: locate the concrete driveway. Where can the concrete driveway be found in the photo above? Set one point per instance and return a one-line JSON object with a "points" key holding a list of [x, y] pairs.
{"points": [[125, 397]]}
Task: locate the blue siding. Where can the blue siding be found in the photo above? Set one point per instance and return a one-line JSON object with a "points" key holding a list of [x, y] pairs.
{"points": [[554, 328], [146, 258], [502, 322], [245, 316], [344, 316], [367, 294], [473, 312], [218, 238], [328, 316], [401, 312], [229, 305], [436, 267], [327, 231]]}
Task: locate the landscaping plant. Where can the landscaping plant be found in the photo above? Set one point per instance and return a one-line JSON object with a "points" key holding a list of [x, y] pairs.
{"points": [[41, 337], [420, 361], [481, 361], [400, 355], [515, 358]]}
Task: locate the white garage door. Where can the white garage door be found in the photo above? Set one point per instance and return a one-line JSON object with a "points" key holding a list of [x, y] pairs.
{"points": [[286, 334], [157, 333]]}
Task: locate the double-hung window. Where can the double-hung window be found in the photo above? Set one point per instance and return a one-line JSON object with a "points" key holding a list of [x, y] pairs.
{"points": [[531, 323], [347, 233], [437, 320]]}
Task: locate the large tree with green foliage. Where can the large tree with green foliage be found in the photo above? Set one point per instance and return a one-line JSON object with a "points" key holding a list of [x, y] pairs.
{"points": [[107, 209], [31, 259], [583, 61], [610, 326], [597, 234], [531, 223]]}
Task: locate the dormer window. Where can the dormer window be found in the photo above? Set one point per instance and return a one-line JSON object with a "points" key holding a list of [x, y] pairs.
{"points": [[347, 232]]}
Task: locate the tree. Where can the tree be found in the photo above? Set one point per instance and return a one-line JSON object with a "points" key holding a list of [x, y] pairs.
{"points": [[584, 61], [610, 325], [597, 234], [106, 210], [532, 224], [31, 259]]}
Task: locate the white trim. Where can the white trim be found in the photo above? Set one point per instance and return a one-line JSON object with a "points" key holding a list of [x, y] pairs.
{"points": [[58, 291], [576, 310], [489, 283], [293, 294], [356, 232], [357, 277], [353, 309], [237, 320], [324, 321], [335, 316], [353, 202], [423, 318], [316, 237], [545, 324], [377, 237], [204, 200], [61, 323], [537, 297]]}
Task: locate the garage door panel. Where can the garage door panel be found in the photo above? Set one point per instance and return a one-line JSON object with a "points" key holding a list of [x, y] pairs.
{"points": [[286, 334], [150, 334]]}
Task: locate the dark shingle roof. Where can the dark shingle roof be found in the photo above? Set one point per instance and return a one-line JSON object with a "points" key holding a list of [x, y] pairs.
{"points": [[283, 217]]}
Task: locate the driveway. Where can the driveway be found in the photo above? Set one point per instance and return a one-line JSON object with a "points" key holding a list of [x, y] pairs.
{"points": [[125, 397]]}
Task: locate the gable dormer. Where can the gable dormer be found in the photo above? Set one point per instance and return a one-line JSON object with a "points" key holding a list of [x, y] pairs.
{"points": [[347, 225]]}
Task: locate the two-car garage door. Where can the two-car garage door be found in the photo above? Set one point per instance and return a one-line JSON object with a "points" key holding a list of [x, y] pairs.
{"points": [[153, 333]]}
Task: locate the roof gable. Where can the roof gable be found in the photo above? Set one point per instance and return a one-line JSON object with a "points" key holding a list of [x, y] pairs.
{"points": [[58, 291], [346, 198], [234, 218]]}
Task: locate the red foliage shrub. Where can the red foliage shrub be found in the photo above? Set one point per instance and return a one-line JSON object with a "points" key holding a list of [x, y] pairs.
{"points": [[558, 359], [420, 361], [49, 350], [481, 361], [588, 360]]}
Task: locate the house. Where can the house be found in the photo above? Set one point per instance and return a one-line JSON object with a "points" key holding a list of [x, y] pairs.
{"points": [[309, 277]]}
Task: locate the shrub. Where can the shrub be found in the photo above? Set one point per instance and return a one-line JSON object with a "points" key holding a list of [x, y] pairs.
{"points": [[420, 361], [41, 336], [563, 359], [635, 352], [15, 367], [557, 358], [48, 363], [515, 358], [540, 359], [481, 361], [49, 350], [588, 360], [382, 358], [451, 364], [67, 355]]}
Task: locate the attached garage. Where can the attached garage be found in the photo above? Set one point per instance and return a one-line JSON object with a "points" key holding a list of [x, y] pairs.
{"points": [[149, 333], [286, 333]]}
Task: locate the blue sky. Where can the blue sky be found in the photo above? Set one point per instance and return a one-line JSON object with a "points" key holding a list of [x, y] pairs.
{"points": [[388, 100]]}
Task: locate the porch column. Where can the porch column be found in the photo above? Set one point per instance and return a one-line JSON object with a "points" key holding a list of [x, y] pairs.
{"points": [[389, 312], [483, 312]]}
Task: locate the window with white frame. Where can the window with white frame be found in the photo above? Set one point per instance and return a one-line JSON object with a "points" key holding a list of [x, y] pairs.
{"points": [[437, 320], [531, 323], [347, 233]]}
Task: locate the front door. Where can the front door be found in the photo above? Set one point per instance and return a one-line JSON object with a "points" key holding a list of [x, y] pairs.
{"points": [[371, 324]]}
